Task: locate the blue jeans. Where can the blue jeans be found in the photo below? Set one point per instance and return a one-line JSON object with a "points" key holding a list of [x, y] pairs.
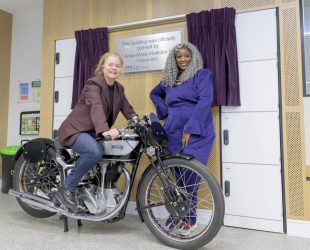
{"points": [[90, 152]]}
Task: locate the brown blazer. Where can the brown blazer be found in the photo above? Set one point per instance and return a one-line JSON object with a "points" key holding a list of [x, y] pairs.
{"points": [[91, 112]]}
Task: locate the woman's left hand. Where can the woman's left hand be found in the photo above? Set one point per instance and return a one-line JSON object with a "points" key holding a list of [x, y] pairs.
{"points": [[185, 139]]}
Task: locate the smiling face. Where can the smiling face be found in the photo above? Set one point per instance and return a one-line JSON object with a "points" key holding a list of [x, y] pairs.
{"points": [[183, 58], [111, 69]]}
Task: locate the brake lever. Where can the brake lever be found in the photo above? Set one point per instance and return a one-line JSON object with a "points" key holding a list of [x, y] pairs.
{"points": [[107, 138], [104, 138]]}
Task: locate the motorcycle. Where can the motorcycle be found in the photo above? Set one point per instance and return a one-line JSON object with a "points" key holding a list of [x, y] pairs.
{"points": [[163, 193]]}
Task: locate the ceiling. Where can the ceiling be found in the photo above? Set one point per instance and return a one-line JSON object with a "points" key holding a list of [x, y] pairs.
{"points": [[15, 6]]}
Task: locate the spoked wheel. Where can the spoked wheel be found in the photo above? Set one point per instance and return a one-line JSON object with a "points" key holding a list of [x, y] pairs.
{"points": [[38, 179], [190, 213]]}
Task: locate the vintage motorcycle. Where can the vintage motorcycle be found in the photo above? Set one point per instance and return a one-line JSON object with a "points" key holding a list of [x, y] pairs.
{"points": [[163, 193]]}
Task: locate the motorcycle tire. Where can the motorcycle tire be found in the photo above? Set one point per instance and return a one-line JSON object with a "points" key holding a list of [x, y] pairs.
{"points": [[208, 210], [37, 179]]}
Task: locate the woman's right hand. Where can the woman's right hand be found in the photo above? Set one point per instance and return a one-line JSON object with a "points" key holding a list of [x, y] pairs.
{"points": [[114, 133]]}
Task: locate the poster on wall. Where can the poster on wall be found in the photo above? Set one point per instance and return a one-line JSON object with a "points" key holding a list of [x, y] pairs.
{"points": [[35, 91], [24, 91], [29, 123], [149, 52]]}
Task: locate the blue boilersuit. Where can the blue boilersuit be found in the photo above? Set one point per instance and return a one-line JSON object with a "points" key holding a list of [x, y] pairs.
{"points": [[187, 108]]}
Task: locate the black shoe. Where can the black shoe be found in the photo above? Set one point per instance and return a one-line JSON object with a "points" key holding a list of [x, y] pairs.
{"points": [[67, 198]]}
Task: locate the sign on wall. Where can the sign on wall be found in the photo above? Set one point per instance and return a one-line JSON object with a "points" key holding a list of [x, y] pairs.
{"points": [[149, 52], [29, 123]]}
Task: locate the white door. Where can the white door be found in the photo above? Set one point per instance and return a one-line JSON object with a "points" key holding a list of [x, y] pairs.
{"points": [[63, 95], [251, 156], [63, 82], [64, 57]]}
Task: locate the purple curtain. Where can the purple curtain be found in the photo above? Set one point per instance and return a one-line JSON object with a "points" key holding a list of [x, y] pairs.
{"points": [[213, 33], [90, 45]]}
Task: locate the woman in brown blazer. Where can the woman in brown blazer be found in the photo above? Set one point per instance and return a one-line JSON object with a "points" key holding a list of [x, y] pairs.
{"points": [[99, 105]]}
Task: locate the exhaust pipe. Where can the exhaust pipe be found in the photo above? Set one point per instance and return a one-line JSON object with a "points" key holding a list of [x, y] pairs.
{"points": [[48, 205], [36, 201], [45, 204]]}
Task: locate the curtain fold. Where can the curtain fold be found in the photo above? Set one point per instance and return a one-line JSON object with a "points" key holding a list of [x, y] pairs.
{"points": [[90, 45], [213, 33]]}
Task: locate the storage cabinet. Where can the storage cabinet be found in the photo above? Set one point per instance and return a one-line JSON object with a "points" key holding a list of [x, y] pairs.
{"points": [[63, 82], [251, 154]]}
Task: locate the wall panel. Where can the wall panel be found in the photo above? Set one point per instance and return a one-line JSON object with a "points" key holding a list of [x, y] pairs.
{"points": [[6, 21], [163, 8], [62, 18], [248, 4], [118, 12], [292, 106]]}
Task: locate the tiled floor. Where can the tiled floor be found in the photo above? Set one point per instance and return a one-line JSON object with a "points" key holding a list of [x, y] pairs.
{"points": [[20, 231]]}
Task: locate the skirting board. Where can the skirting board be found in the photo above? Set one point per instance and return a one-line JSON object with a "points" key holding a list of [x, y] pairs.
{"points": [[254, 223], [298, 228]]}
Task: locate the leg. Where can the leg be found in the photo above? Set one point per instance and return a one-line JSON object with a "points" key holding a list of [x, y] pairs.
{"points": [[90, 154], [189, 182]]}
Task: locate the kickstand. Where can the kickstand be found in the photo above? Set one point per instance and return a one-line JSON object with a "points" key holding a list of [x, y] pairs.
{"points": [[65, 219], [79, 222]]}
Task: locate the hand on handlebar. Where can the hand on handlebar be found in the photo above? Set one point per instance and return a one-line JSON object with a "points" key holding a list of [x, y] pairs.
{"points": [[133, 121], [113, 133]]}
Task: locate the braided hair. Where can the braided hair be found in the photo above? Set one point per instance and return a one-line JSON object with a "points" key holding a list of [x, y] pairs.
{"points": [[171, 68]]}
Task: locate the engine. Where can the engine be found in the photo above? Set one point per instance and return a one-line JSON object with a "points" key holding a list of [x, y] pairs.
{"points": [[106, 197]]}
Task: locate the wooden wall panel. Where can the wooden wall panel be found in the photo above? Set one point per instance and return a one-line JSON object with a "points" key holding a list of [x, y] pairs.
{"points": [[164, 8], [107, 12], [248, 5], [292, 107], [6, 20], [62, 18], [47, 89]]}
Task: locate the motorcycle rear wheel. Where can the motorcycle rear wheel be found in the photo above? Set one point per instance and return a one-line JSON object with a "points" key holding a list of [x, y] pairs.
{"points": [[37, 179], [207, 210]]}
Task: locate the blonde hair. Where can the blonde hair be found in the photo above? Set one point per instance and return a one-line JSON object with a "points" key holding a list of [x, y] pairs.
{"points": [[104, 58]]}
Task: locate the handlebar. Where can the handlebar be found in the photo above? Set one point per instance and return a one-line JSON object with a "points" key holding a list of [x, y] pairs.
{"points": [[132, 123]]}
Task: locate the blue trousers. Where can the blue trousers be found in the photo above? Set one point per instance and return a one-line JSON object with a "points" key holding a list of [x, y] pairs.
{"points": [[90, 152], [189, 181]]}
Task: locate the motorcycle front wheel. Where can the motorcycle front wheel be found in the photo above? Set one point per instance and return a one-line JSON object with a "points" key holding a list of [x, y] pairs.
{"points": [[195, 217], [38, 179]]}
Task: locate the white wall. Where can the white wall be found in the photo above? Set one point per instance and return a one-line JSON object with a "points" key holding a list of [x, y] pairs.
{"points": [[307, 128], [25, 65]]}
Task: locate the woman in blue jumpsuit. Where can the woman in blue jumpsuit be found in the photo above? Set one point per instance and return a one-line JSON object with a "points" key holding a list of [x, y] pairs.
{"points": [[184, 98]]}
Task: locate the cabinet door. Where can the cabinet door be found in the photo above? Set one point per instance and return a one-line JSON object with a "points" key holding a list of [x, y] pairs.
{"points": [[258, 87], [63, 96], [253, 196], [64, 57], [256, 35], [251, 137]]}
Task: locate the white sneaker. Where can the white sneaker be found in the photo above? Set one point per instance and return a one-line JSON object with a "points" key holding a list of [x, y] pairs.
{"points": [[185, 229]]}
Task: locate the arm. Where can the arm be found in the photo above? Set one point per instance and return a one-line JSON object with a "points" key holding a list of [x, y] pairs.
{"points": [[94, 102], [203, 84], [158, 95]]}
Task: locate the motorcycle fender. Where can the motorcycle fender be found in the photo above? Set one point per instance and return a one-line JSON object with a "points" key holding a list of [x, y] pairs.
{"points": [[47, 142], [178, 155]]}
